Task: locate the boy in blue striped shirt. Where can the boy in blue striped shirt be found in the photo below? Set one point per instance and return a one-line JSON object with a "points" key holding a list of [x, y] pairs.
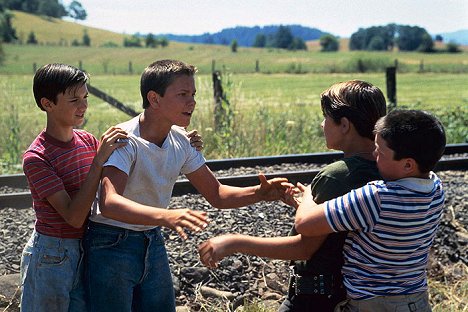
{"points": [[391, 223]]}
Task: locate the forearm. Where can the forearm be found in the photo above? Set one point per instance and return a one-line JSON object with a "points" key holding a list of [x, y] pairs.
{"points": [[117, 207], [310, 219], [282, 248], [79, 206], [234, 197]]}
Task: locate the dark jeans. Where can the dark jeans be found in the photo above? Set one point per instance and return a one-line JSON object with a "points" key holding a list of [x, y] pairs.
{"points": [[127, 270]]}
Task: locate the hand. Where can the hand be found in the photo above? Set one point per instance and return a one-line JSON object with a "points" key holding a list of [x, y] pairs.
{"points": [[292, 197], [306, 193], [178, 219], [195, 140], [273, 189], [108, 144], [214, 250]]}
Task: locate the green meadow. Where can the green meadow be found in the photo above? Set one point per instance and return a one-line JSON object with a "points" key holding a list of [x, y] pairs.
{"points": [[271, 114], [274, 95]]}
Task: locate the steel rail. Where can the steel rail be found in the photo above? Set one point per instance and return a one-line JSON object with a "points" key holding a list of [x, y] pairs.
{"points": [[23, 199]]}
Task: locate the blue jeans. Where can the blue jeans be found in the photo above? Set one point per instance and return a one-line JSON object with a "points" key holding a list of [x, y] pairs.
{"points": [[127, 270], [51, 275]]}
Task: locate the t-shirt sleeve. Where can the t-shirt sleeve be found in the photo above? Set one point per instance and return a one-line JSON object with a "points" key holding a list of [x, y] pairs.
{"points": [[357, 210], [123, 158], [41, 176]]}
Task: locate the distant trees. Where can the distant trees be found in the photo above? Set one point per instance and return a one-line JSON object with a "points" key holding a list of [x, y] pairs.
{"points": [[152, 42], [7, 32], [86, 38], [52, 8], [329, 43], [384, 38], [282, 39], [260, 41], [234, 46], [31, 38], [76, 11]]}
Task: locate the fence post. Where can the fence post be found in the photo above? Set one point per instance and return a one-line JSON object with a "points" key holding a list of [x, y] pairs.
{"points": [[130, 67], [257, 66], [391, 86], [80, 65], [34, 67]]}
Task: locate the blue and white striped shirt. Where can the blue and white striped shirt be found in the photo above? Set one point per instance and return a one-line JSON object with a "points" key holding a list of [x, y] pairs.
{"points": [[391, 225]]}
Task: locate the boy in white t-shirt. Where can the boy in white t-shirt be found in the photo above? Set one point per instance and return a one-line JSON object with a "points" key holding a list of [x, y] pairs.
{"points": [[127, 264]]}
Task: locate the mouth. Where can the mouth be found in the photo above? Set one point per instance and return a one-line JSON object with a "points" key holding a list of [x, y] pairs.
{"points": [[80, 115]]}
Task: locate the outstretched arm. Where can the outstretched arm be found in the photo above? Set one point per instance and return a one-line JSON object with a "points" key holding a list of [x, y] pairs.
{"points": [[295, 247], [226, 196], [115, 206], [310, 217]]}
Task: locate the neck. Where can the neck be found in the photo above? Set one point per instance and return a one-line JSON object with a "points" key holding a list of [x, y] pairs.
{"points": [[362, 148], [152, 129], [60, 133]]}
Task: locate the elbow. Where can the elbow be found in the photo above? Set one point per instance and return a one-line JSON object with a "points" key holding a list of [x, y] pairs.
{"points": [[76, 222], [301, 226]]}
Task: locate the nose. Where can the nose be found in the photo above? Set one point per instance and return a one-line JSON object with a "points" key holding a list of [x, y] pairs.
{"points": [[322, 124]]}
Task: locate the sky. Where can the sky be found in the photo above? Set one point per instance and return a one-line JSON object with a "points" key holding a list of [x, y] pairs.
{"points": [[338, 17]]}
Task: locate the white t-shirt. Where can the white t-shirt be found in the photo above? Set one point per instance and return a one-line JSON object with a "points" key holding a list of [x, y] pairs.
{"points": [[152, 170]]}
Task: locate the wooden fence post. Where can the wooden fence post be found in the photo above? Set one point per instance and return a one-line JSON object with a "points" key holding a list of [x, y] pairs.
{"points": [[80, 65], [257, 66], [130, 67], [112, 101], [391, 86]]}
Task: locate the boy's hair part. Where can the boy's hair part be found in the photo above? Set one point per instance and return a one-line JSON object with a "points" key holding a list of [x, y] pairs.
{"points": [[52, 79], [160, 74], [359, 101], [413, 134]]}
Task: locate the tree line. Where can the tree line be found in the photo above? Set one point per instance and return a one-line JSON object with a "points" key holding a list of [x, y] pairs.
{"points": [[52, 8]]}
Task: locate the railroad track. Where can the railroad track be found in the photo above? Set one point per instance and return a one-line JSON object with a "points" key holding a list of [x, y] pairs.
{"points": [[450, 161]]}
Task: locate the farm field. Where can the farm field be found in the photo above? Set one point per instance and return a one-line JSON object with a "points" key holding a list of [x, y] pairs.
{"points": [[279, 112]]}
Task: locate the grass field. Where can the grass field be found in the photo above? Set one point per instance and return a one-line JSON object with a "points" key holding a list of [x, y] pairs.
{"points": [[273, 114]]}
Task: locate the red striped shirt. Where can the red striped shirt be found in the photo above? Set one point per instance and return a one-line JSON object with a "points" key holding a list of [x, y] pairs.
{"points": [[51, 166]]}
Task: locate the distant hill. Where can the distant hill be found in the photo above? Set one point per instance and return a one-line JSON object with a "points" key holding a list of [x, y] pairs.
{"points": [[245, 36], [460, 37], [54, 31]]}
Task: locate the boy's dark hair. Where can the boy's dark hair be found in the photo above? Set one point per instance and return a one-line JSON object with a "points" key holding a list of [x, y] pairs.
{"points": [[415, 134], [359, 101], [160, 74], [53, 79]]}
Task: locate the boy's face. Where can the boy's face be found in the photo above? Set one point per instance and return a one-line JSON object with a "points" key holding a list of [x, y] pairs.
{"points": [[70, 107], [332, 133], [178, 103], [389, 168]]}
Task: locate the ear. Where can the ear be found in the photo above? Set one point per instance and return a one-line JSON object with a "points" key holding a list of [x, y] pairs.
{"points": [[153, 98], [47, 104], [410, 166], [345, 125]]}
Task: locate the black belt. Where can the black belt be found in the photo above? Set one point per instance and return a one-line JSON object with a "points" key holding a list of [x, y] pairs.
{"points": [[313, 284]]}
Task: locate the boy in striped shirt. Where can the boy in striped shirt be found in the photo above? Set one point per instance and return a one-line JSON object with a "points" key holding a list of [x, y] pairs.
{"points": [[391, 223]]}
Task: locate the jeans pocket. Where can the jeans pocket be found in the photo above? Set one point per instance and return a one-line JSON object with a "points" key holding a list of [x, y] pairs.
{"points": [[52, 257], [103, 239]]}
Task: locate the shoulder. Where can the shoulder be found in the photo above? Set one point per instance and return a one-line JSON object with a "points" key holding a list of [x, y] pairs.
{"points": [[86, 137], [179, 133], [130, 125]]}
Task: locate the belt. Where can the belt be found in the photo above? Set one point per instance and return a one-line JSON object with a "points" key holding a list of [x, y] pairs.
{"points": [[312, 284]]}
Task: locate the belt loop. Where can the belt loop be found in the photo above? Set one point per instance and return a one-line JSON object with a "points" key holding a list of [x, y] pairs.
{"points": [[412, 307]]}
